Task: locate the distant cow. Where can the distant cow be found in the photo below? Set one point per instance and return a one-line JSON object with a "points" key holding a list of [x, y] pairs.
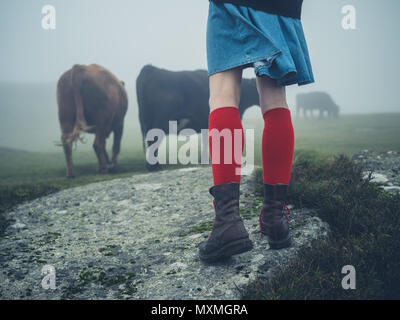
{"points": [[91, 99], [321, 101], [180, 96]]}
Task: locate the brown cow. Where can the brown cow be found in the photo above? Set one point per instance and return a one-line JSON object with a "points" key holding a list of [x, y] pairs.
{"points": [[91, 99]]}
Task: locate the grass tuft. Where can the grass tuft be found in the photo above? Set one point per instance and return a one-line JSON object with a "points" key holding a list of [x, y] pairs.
{"points": [[365, 224]]}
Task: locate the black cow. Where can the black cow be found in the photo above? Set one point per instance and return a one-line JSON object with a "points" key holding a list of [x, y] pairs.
{"points": [[180, 96], [321, 101]]}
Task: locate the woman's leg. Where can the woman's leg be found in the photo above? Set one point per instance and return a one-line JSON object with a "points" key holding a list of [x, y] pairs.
{"points": [[224, 118], [228, 236], [278, 134], [225, 88], [277, 155]]}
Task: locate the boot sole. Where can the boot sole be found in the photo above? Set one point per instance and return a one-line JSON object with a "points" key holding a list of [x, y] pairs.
{"points": [[228, 250]]}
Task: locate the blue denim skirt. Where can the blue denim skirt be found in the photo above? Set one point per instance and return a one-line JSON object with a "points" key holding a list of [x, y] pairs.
{"points": [[274, 45]]}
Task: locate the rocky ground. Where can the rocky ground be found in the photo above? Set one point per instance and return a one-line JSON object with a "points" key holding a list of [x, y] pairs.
{"points": [[137, 238], [384, 168]]}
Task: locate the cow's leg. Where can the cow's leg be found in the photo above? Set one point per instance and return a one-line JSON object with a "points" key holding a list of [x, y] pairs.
{"points": [[105, 152], [99, 147], [182, 123], [156, 166], [106, 155], [116, 145], [67, 145]]}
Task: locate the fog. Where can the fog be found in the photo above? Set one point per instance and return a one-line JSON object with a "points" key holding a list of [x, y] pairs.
{"points": [[359, 68]]}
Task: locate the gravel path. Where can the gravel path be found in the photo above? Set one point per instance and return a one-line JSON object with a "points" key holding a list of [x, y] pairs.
{"points": [[136, 238]]}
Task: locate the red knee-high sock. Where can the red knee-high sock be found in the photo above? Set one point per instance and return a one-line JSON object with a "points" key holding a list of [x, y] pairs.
{"points": [[277, 146], [220, 119]]}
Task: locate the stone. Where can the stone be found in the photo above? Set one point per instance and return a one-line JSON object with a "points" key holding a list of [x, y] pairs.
{"points": [[391, 189], [137, 238], [385, 168], [377, 178], [18, 225]]}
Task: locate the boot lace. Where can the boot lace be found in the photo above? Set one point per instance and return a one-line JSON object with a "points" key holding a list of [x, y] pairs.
{"points": [[286, 212]]}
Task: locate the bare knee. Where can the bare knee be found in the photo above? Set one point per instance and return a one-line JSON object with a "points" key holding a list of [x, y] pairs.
{"points": [[271, 95], [225, 89]]}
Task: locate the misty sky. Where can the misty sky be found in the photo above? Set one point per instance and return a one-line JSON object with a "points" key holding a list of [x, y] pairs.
{"points": [[359, 68]]}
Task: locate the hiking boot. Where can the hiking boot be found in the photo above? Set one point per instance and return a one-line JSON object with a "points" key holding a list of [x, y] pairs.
{"points": [[274, 221], [228, 236]]}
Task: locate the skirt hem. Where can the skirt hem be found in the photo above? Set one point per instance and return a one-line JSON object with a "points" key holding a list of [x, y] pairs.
{"points": [[283, 79]]}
